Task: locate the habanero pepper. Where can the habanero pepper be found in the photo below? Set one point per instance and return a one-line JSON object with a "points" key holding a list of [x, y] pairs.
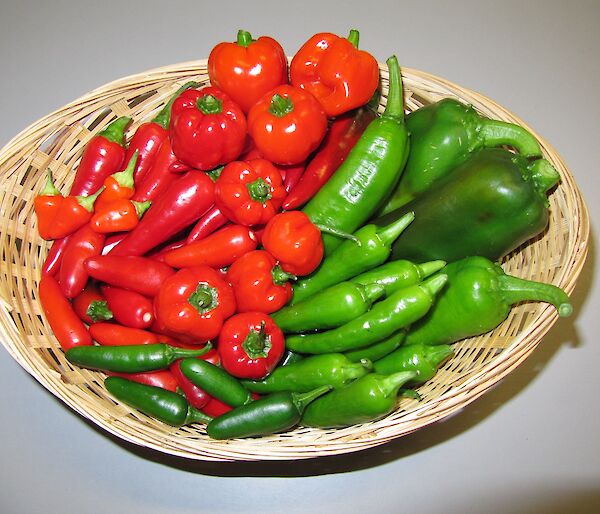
{"points": [[119, 185], [128, 307], [423, 359], [113, 334], [91, 306], [120, 215]]}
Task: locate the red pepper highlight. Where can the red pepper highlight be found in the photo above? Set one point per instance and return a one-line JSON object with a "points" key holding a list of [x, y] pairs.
{"points": [[128, 307]]}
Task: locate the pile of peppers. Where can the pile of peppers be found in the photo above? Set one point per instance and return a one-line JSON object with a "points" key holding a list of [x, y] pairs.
{"points": [[270, 251]]}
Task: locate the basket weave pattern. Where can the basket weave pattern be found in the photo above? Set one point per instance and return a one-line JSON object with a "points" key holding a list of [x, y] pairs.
{"points": [[57, 142]]}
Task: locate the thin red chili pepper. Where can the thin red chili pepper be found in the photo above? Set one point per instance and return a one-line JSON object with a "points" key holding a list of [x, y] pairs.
{"points": [[162, 378], [213, 220], [292, 175], [158, 254], [112, 334], [196, 397], [120, 215], [128, 307]]}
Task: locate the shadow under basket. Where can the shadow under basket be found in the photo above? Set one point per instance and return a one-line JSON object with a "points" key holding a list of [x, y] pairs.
{"points": [[57, 142]]}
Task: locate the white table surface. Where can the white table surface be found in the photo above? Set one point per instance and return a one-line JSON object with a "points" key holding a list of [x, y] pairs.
{"points": [[529, 445]]}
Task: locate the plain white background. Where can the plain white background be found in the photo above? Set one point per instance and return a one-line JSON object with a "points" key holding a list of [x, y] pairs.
{"points": [[529, 445]]}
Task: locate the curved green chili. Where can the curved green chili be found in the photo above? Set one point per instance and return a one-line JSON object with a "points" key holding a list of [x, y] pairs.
{"points": [[423, 359], [378, 350]]}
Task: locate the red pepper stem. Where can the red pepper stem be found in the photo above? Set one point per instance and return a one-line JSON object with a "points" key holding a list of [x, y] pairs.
{"points": [[338, 233], [115, 132], [390, 384], [301, 400], [429, 268], [141, 207], [163, 118], [515, 290], [280, 105], [353, 37], [395, 100], [281, 277], [497, 133], [125, 178], [259, 190], [87, 202], [391, 232], [257, 344], [209, 104], [244, 38], [49, 188], [196, 416], [204, 299]]}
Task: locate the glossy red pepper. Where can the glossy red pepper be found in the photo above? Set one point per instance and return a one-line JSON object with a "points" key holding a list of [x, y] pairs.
{"points": [[213, 220], [118, 186], [248, 68], [182, 204], [139, 274], [113, 334], [207, 128], [335, 71], [68, 329], [259, 283], [158, 254], [195, 396], [287, 125], [250, 345], [217, 250], [162, 378], [195, 302], [91, 306], [128, 307], [120, 215], [249, 192], [294, 241]]}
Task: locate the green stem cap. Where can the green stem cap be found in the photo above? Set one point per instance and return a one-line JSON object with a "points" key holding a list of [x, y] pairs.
{"points": [[301, 400], [434, 284], [98, 311], [281, 105], [438, 354], [281, 277], [141, 207], [395, 100], [196, 416], [353, 37], [244, 38], [391, 232], [371, 292], [125, 178], [204, 299], [209, 104], [115, 132], [49, 188], [390, 384], [544, 176], [429, 268], [259, 190], [257, 344], [176, 353], [87, 202], [163, 118]]}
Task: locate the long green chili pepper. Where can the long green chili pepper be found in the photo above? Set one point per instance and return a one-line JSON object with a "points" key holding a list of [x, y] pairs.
{"points": [[333, 369], [269, 415], [164, 405], [136, 358], [350, 259], [370, 172], [329, 308], [367, 399], [423, 359], [398, 311], [378, 350]]}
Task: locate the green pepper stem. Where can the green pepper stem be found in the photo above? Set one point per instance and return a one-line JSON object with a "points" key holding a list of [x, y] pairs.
{"points": [[371, 292], [87, 202], [281, 277], [215, 173], [204, 299], [281, 105], [244, 38], [544, 175], [115, 132], [209, 104], [338, 233], [141, 207], [356, 370], [257, 344], [497, 133], [435, 355], [390, 384], [395, 100], [163, 118], [515, 290], [391, 232], [259, 190], [429, 268], [301, 400], [98, 311], [175, 353], [49, 188], [434, 284], [125, 178], [196, 416], [353, 37]]}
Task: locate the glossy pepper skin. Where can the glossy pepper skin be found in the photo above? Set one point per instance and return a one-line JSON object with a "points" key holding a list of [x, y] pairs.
{"points": [[162, 378], [287, 125], [128, 307], [423, 359], [166, 406], [248, 68], [384, 319], [330, 308], [478, 297], [445, 134], [212, 220], [196, 397], [369, 398], [250, 345], [118, 216], [487, 206], [113, 334], [330, 369], [275, 413], [370, 172], [378, 350], [259, 283], [160, 176], [335, 71], [207, 128], [249, 192], [119, 185], [195, 302]]}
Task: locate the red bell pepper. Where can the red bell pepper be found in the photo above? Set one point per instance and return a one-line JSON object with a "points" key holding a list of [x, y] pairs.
{"points": [[120, 215], [150, 135], [68, 329], [341, 137], [128, 307], [249, 192], [207, 128], [217, 250], [294, 241], [91, 306], [250, 345], [195, 302], [259, 283], [336, 72], [248, 68], [162, 378], [139, 274], [112, 334], [183, 203], [287, 125], [213, 220]]}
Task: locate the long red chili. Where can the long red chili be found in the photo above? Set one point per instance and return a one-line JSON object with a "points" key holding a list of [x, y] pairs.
{"points": [[162, 378], [213, 220], [128, 307], [113, 334]]}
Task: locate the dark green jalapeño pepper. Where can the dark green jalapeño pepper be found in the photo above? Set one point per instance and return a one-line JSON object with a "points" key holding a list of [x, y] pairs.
{"points": [[329, 308], [333, 369], [477, 298], [369, 174], [443, 135], [423, 359], [166, 406], [487, 206], [371, 248], [367, 399]]}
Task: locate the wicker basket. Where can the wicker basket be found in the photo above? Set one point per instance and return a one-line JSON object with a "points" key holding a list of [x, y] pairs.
{"points": [[57, 142]]}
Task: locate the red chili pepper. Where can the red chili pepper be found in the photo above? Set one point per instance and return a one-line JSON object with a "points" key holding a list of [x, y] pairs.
{"points": [[292, 175], [287, 125], [91, 306], [118, 186], [195, 396], [335, 71], [112, 334], [250, 345], [82, 245], [294, 241], [118, 216], [183, 203], [216, 407], [248, 68], [111, 241], [158, 254], [149, 136], [139, 274], [162, 378], [128, 307], [343, 134], [53, 259], [68, 329], [217, 250], [195, 302], [59, 216], [207, 128], [249, 192], [213, 220], [259, 283]]}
